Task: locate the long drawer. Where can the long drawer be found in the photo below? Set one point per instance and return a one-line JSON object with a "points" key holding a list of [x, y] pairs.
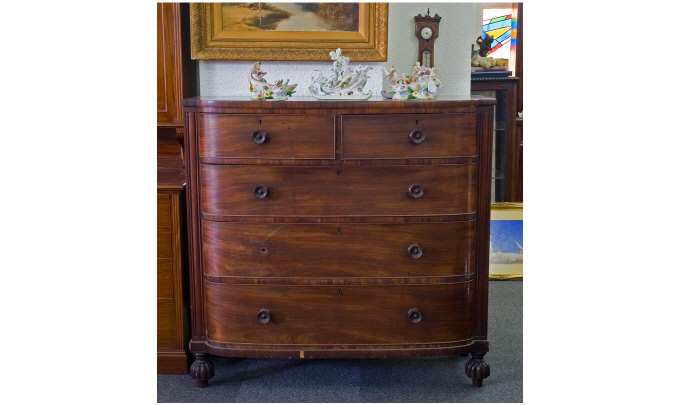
{"points": [[408, 136], [275, 314], [338, 250], [347, 190], [267, 136]]}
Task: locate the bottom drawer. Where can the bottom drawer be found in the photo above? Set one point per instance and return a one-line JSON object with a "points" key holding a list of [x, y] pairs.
{"points": [[393, 314]]}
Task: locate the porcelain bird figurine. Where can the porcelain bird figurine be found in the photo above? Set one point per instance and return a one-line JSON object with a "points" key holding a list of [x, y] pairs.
{"points": [[261, 90]]}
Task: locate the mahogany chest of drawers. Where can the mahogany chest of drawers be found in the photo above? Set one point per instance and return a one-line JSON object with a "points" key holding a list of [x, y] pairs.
{"points": [[338, 229]]}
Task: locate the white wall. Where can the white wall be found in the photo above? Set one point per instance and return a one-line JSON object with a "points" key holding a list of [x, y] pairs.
{"points": [[459, 27]]}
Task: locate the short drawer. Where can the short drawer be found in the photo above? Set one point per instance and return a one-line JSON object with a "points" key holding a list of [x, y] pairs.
{"points": [[267, 136], [338, 250], [393, 314], [408, 136], [332, 191]]}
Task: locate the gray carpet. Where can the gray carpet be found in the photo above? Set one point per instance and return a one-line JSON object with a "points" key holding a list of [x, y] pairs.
{"points": [[434, 379]]}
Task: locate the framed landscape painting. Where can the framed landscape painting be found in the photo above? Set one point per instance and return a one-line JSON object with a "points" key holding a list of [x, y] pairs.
{"points": [[288, 31], [506, 256]]}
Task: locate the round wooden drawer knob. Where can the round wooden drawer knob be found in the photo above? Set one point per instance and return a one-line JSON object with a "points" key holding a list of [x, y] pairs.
{"points": [[417, 136], [415, 190], [414, 315], [264, 316], [261, 191], [259, 136], [415, 251]]}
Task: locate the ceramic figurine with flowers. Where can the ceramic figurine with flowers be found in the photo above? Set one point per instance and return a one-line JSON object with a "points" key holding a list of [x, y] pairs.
{"points": [[344, 82], [421, 84], [261, 90]]}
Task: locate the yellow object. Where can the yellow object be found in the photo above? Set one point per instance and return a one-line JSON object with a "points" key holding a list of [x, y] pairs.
{"points": [[488, 61]]}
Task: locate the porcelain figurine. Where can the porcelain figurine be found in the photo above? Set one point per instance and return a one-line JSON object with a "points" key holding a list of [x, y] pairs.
{"points": [[344, 83], [421, 84], [261, 90]]}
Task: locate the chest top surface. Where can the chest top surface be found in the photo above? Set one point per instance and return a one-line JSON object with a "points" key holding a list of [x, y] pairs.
{"points": [[312, 103]]}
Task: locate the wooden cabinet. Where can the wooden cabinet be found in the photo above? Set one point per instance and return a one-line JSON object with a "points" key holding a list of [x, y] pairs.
{"points": [[519, 167], [172, 325], [175, 80], [175, 72], [338, 229], [506, 166]]}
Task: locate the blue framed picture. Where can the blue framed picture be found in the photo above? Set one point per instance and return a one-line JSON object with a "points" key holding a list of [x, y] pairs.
{"points": [[506, 256]]}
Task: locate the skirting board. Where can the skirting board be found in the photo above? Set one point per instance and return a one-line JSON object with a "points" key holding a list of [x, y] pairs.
{"points": [[172, 362]]}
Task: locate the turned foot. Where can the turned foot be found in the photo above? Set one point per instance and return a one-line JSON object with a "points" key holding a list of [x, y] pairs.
{"points": [[202, 370], [477, 369]]}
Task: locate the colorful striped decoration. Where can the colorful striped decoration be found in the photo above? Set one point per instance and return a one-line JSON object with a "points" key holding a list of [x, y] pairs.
{"points": [[503, 28]]}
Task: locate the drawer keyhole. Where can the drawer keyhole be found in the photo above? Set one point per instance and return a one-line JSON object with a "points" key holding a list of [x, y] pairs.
{"points": [[264, 250]]}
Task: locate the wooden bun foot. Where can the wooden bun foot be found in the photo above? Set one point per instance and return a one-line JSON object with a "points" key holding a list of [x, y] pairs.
{"points": [[477, 369], [202, 370]]}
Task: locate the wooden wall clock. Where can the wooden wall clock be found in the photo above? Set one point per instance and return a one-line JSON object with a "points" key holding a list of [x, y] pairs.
{"points": [[427, 30]]}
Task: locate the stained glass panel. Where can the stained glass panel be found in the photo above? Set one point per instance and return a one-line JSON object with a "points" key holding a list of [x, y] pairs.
{"points": [[499, 23]]}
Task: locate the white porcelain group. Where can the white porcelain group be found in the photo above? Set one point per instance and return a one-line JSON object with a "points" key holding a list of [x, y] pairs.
{"points": [[421, 84], [346, 83], [343, 81]]}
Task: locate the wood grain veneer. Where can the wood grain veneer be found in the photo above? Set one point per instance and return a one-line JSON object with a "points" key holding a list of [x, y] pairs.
{"points": [[345, 315], [387, 136], [337, 250], [284, 136], [321, 191]]}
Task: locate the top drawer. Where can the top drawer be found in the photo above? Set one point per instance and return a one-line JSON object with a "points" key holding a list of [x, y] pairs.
{"points": [[408, 136], [267, 136]]}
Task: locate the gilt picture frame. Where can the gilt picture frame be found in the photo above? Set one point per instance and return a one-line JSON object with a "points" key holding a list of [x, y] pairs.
{"points": [[214, 35], [506, 256]]}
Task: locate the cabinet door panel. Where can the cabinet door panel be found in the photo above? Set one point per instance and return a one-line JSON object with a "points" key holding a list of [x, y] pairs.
{"points": [[168, 63]]}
